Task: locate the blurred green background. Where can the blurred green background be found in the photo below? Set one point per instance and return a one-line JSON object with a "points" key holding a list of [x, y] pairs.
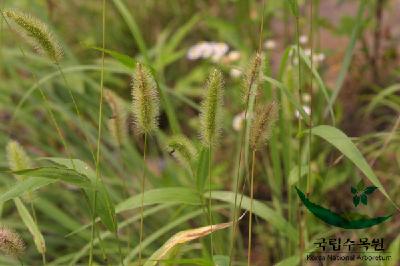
{"points": [[355, 48]]}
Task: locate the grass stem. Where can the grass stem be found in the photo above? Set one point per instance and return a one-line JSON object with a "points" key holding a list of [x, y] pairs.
{"points": [[142, 199]]}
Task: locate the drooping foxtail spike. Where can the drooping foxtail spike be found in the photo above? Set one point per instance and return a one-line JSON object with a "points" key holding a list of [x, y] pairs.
{"points": [[36, 33], [182, 149]]}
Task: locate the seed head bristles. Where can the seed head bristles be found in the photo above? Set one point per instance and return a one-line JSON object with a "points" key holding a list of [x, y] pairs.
{"points": [[211, 109], [145, 104], [182, 149], [252, 75], [36, 33], [17, 157], [11, 243], [265, 117], [117, 123]]}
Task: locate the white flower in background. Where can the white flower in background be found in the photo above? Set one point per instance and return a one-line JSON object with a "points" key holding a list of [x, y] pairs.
{"points": [[237, 122], [306, 97], [196, 51], [205, 50], [303, 39], [233, 56], [269, 44], [218, 50], [306, 109], [319, 57], [235, 73], [307, 52]]}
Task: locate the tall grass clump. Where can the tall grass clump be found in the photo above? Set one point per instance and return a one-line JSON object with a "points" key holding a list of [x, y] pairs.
{"points": [[211, 123], [145, 108], [260, 133]]}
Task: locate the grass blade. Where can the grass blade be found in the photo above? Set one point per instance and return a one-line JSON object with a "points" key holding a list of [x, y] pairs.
{"points": [[343, 143], [31, 225]]}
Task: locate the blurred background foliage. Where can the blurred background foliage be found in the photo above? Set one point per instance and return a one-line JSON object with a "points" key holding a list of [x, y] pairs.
{"points": [[356, 49]]}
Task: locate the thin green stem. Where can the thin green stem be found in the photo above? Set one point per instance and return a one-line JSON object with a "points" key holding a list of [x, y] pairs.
{"points": [[98, 148], [299, 131], [236, 210], [251, 208], [44, 258], [210, 200], [142, 199], [311, 98]]}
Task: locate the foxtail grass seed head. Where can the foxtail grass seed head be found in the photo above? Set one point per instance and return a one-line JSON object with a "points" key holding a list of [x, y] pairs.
{"points": [[145, 105], [261, 128], [17, 157], [182, 149], [211, 109], [117, 123], [36, 33], [11, 243], [252, 75]]}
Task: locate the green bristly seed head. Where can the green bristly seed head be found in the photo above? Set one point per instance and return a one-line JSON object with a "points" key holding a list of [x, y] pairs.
{"points": [[11, 243], [211, 109], [252, 76], [263, 122], [37, 33], [182, 149], [17, 157], [117, 123], [145, 104]]}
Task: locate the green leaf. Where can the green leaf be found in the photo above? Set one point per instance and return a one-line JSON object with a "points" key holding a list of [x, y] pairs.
{"points": [[31, 225], [370, 190], [349, 53], [360, 185], [105, 209], [179, 195], [318, 78], [133, 27], [364, 199], [343, 143], [63, 174], [124, 59], [29, 184], [353, 190], [262, 210], [356, 200]]}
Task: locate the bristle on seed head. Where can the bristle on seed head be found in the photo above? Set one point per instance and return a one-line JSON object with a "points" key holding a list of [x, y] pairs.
{"points": [[145, 104], [261, 128], [211, 109], [36, 33], [11, 243]]}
